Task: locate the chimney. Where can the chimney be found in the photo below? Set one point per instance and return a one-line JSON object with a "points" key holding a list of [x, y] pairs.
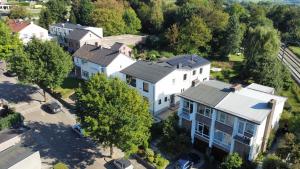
{"points": [[179, 65], [236, 87], [268, 127]]}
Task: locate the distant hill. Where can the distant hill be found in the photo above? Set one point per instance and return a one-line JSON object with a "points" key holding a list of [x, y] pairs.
{"points": [[275, 1]]}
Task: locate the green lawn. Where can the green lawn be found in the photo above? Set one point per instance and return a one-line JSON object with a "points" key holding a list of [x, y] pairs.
{"points": [[295, 50], [68, 87], [236, 58]]}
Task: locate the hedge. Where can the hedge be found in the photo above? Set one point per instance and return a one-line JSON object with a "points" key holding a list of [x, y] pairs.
{"points": [[10, 120]]}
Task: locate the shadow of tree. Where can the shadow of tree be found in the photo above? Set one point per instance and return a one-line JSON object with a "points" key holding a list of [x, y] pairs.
{"points": [[59, 142], [16, 93]]}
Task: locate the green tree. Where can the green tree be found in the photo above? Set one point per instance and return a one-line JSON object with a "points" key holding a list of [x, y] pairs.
{"points": [[110, 20], [273, 162], [55, 11], [156, 17], [232, 161], [82, 11], [234, 36], [172, 35], [43, 63], [9, 42], [112, 113], [194, 36], [261, 63], [133, 23], [18, 12]]}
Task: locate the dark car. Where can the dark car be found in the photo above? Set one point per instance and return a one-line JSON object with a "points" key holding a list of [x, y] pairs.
{"points": [[53, 107], [186, 161], [123, 163], [10, 73]]}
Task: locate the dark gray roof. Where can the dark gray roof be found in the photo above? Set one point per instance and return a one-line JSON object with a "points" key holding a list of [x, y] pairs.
{"points": [[148, 71], [209, 93], [77, 34], [13, 155], [117, 46], [68, 25], [96, 54], [8, 134], [190, 61]]}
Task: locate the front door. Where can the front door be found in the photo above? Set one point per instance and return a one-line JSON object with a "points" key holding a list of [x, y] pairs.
{"points": [[172, 98]]}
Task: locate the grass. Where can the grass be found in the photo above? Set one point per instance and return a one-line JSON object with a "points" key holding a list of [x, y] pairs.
{"points": [[236, 58], [295, 50], [68, 87]]}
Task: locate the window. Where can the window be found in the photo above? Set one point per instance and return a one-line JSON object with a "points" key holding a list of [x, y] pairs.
{"points": [[202, 130], [206, 112], [201, 70], [166, 99], [145, 87], [222, 138], [194, 72], [184, 76], [225, 118], [187, 106], [249, 128], [130, 80], [159, 101], [85, 74], [173, 81], [241, 125]]}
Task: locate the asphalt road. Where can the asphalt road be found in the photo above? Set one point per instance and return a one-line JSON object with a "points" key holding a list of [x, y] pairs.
{"points": [[51, 134]]}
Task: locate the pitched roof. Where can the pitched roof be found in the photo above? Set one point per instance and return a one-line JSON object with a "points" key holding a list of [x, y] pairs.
{"points": [[8, 134], [68, 25], [13, 155], [188, 61], [116, 46], [148, 71], [262, 88], [207, 93], [77, 34], [17, 25], [96, 54]]}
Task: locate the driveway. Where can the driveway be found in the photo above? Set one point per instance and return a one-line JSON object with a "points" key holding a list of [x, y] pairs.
{"points": [[51, 134]]}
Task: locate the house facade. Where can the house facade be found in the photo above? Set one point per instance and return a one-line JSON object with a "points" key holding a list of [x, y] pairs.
{"points": [[61, 30], [161, 82], [91, 59], [230, 118], [28, 30]]}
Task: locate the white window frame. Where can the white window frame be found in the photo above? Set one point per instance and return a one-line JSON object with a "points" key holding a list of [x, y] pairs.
{"points": [[85, 74], [205, 111], [201, 132]]}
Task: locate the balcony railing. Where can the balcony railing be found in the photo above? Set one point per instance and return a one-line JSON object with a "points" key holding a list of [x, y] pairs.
{"points": [[243, 139], [225, 146], [184, 113]]}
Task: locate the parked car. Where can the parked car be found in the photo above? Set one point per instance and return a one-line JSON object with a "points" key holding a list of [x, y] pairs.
{"points": [[53, 107], [10, 73], [77, 128], [186, 161], [123, 163]]}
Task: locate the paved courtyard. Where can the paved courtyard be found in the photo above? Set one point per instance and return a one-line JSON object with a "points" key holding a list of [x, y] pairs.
{"points": [[51, 134]]}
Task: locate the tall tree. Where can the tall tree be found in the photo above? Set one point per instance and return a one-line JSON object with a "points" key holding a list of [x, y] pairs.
{"points": [[194, 36], [261, 63], [18, 12], [172, 35], [233, 36], [112, 113], [133, 23], [82, 11], [9, 42], [43, 63]]}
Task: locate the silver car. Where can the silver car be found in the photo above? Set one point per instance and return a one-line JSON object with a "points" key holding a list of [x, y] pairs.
{"points": [[123, 163]]}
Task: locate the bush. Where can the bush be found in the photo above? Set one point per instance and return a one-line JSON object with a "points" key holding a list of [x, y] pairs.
{"points": [[232, 161], [60, 166], [273, 162], [10, 120]]}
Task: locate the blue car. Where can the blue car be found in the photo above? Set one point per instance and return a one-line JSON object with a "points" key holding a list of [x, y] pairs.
{"points": [[187, 161]]}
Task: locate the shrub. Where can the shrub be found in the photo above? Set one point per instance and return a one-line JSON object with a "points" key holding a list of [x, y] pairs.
{"points": [[10, 120], [271, 139], [273, 162], [232, 161], [60, 166]]}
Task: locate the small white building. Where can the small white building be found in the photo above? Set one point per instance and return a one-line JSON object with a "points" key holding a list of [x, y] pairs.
{"points": [[230, 118], [161, 82], [62, 30], [28, 30], [91, 59]]}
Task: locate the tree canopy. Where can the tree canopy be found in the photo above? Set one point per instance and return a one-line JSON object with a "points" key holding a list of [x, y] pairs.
{"points": [[112, 113], [18, 12], [43, 63]]}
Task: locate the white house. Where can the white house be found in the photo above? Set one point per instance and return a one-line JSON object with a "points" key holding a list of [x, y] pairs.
{"points": [[161, 82], [62, 30], [230, 118], [91, 59], [28, 30]]}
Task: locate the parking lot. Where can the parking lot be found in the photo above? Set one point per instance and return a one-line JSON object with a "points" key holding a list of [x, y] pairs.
{"points": [[51, 134]]}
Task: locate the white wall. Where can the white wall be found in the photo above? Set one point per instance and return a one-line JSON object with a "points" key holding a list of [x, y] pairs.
{"points": [[90, 39], [97, 31], [258, 137], [31, 31], [90, 67], [277, 113]]}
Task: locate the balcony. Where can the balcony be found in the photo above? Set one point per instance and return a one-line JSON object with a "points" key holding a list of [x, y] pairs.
{"points": [[222, 145], [184, 113], [243, 139]]}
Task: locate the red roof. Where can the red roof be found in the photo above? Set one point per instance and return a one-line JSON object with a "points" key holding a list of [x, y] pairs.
{"points": [[17, 25]]}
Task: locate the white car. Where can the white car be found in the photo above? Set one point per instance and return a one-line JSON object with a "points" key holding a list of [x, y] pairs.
{"points": [[78, 129], [123, 163]]}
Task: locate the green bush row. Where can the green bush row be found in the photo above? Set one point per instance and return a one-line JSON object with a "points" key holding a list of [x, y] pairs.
{"points": [[10, 120], [156, 159]]}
